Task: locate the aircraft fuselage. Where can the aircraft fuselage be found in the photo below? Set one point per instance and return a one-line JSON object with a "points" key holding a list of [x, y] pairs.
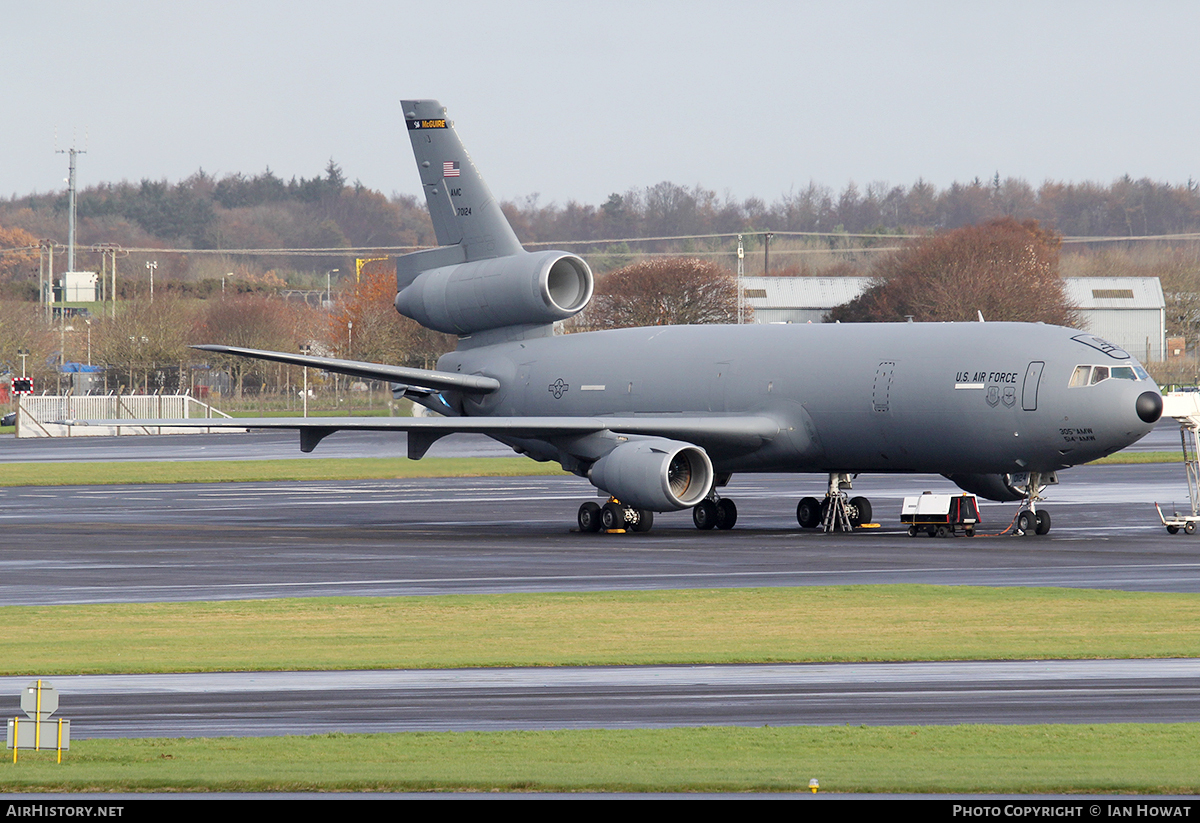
{"points": [[907, 397]]}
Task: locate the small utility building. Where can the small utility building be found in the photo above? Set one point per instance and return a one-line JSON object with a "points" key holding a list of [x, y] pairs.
{"points": [[1128, 311]]}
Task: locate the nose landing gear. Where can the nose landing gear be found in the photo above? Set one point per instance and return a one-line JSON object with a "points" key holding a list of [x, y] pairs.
{"points": [[1030, 520]]}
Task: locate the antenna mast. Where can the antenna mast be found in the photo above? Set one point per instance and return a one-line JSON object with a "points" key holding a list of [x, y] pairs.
{"points": [[71, 213]]}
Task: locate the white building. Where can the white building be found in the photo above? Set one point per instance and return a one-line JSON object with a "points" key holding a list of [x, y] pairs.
{"points": [[78, 286], [1128, 311]]}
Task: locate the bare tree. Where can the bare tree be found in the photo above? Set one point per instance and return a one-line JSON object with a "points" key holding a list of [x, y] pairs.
{"points": [[256, 322], [665, 291], [1004, 269], [380, 334]]}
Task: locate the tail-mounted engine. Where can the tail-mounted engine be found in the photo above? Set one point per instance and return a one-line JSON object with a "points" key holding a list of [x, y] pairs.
{"points": [[656, 474], [523, 289]]}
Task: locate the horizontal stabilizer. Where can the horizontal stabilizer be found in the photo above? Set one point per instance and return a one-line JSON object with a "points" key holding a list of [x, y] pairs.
{"points": [[414, 378]]}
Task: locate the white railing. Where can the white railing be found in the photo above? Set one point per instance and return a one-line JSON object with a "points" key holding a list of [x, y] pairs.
{"points": [[54, 416]]}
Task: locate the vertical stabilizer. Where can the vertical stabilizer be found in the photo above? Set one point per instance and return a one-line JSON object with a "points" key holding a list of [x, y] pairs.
{"points": [[462, 209]]}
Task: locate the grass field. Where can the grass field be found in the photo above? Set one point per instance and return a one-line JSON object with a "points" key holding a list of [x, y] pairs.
{"points": [[257, 471], [766, 625], [699, 626], [1111, 758]]}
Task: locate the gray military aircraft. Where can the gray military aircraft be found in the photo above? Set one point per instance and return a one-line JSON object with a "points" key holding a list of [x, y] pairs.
{"points": [[660, 418]]}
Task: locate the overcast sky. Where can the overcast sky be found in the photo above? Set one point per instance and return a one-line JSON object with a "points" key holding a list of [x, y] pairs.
{"points": [[574, 101]]}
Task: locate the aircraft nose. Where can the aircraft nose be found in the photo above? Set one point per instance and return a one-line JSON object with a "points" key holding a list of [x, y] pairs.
{"points": [[1149, 406]]}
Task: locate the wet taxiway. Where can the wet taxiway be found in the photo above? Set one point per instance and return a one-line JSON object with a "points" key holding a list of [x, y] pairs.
{"points": [[139, 543]]}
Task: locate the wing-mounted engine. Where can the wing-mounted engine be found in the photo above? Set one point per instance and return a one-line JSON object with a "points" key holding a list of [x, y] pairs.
{"points": [[1003, 488], [523, 289], [655, 473]]}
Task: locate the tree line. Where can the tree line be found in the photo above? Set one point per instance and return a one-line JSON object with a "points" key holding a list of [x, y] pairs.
{"points": [[263, 211]]}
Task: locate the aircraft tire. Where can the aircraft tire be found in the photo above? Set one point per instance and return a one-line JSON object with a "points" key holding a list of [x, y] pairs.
{"points": [[726, 514], [1043, 523], [808, 513], [589, 517], [704, 515], [1027, 522], [862, 507], [612, 516], [645, 520]]}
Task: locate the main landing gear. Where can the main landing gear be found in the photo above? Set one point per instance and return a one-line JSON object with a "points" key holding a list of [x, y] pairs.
{"points": [[614, 516], [838, 511], [714, 513], [1030, 520]]}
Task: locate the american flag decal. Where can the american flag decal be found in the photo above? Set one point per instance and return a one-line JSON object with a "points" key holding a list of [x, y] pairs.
{"points": [[450, 168]]}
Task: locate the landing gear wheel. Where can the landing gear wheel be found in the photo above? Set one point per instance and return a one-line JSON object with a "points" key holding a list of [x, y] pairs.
{"points": [[589, 517], [808, 513], [612, 516], [705, 515], [862, 508], [645, 520], [726, 514], [1190, 527], [1043, 523], [1027, 522]]}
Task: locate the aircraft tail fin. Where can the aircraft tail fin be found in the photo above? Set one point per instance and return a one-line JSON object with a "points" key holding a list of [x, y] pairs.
{"points": [[478, 279], [463, 211]]}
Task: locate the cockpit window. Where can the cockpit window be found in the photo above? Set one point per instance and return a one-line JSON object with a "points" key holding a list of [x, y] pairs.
{"points": [[1091, 375]]}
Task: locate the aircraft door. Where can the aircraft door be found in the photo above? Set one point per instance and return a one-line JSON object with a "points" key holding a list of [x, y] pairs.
{"points": [[1033, 376], [881, 391]]}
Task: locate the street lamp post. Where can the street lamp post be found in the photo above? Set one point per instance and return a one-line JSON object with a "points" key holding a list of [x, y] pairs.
{"points": [[349, 349], [151, 265], [305, 349], [329, 286]]}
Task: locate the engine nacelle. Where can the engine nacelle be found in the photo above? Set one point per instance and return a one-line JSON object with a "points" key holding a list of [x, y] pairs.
{"points": [[998, 487], [654, 473], [515, 290]]}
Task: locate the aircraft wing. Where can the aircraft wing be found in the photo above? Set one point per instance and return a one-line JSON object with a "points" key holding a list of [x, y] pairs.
{"points": [[720, 433], [413, 378]]}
